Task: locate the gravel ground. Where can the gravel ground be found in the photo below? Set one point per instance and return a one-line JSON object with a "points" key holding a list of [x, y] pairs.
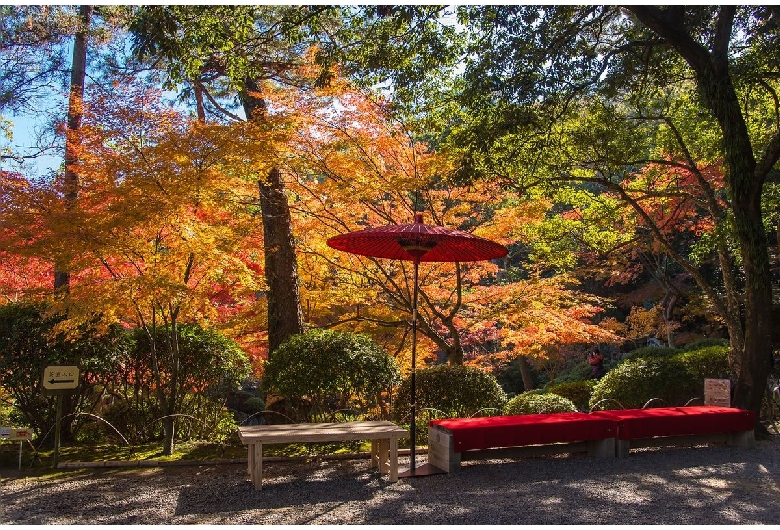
{"points": [[700, 485]]}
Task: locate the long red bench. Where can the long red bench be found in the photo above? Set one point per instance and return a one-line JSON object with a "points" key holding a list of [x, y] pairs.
{"points": [[603, 434], [452, 440], [680, 425]]}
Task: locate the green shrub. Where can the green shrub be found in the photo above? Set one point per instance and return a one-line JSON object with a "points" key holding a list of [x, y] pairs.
{"points": [[706, 362], [445, 391], [452, 391], [254, 405], [322, 372], [635, 381], [577, 391], [704, 343], [651, 351], [532, 403]]}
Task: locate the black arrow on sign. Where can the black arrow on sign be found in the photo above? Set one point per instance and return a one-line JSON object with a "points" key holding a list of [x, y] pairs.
{"points": [[55, 381]]}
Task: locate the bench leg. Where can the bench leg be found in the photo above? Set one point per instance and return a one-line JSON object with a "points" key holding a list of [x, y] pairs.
{"points": [[441, 451], [375, 454], [257, 466], [621, 448], [602, 448], [394, 459], [250, 453], [384, 451], [744, 439]]}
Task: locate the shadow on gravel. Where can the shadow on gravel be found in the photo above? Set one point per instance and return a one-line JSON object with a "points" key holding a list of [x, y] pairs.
{"points": [[704, 485], [284, 486]]}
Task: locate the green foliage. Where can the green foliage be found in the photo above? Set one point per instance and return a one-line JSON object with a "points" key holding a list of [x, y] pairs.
{"points": [[134, 419], [651, 351], [674, 376], [451, 391], [706, 362], [254, 405], [29, 343], [211, 363], [211, 366], [703, 343], [322, 372], [578, 392], [448, 391], [533, 403]]}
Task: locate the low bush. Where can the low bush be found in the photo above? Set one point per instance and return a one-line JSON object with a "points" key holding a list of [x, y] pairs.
{"points": [[651, 351], [445, 391], [704, 343], [706, 362], [577, 391], [532, 403], [450, 391], [635, 381], [322, 372]]}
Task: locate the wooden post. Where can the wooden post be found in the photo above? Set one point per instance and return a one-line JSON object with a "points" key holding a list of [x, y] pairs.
{"points": [[57, 431]]}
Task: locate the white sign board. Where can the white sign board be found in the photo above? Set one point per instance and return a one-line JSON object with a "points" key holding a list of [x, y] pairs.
{"points": [[717, 392], [14, 434], [61, 377]]}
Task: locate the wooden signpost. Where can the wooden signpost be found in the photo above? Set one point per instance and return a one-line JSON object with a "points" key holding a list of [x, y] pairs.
{"points": [[56, 381], [717, 392], [13, 434]]}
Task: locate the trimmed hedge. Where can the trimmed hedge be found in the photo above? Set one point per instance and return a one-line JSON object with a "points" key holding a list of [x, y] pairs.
{"points": [[322, 372], [532, 403], [578, 392], [451, 391], [674, 377], [706, 362], [445, 391]]}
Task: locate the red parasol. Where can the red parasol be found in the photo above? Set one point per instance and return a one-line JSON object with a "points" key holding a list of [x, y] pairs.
{"points": [[417, 242]]}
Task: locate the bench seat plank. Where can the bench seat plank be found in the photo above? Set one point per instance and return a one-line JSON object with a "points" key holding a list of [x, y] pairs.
{"points": [[527, 429], [384, 436], [677, 421]]}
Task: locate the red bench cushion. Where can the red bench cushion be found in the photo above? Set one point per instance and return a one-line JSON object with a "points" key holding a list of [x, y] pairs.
{"points": [[677, 421], [529, 429]]}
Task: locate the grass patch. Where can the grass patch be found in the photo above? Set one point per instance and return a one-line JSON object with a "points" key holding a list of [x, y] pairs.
{"points": [[183, 451]]}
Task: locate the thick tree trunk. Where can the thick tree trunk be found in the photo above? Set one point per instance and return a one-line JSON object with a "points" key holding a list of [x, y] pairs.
{"points": [[744, 180], [525, 373], [78, 75], [285, 317]]}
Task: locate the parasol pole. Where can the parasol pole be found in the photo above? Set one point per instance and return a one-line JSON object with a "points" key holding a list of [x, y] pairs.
{"points": [[413, 426]]}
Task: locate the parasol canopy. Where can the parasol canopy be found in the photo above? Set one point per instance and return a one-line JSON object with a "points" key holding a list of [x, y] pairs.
{"points": [[418, 242]]}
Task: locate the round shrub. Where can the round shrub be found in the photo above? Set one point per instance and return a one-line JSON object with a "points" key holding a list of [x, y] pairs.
{"points": [[321, 372], [445, 391], [651, 351], [635, 381], [532, 403], [706, 362], [451, 391], [578, 392], [704, 343]]}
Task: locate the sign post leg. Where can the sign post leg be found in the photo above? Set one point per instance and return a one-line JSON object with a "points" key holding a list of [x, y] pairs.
{"points": [[57, 432]]}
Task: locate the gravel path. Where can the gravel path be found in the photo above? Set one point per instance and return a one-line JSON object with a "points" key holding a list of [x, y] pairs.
{"points": [[701, 485]]}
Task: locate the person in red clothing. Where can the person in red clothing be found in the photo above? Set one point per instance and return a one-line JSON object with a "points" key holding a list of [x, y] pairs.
{"points": [[596, 362]]}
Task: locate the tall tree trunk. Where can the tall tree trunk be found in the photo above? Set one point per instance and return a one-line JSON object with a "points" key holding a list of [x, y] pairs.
{"points": [[78, 75], [525, 373], [285, 317], [744, 179]]}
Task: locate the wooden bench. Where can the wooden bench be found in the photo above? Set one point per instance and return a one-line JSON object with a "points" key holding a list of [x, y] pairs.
{"points": [[382, 434], [657, 427], [607, 433], [454, 440]]}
